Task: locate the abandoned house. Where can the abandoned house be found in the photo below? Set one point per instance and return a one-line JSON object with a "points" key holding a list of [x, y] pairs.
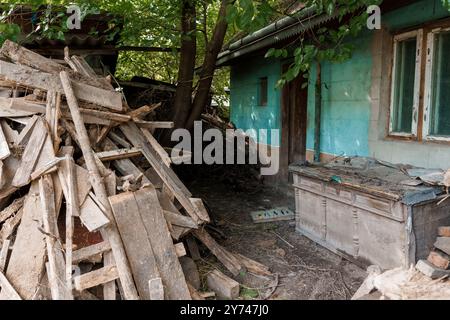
{"points": [[386, 105]]}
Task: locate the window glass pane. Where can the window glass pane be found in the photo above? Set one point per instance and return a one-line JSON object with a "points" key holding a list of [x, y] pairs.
{"points": [[405, 74], [440, 106]]}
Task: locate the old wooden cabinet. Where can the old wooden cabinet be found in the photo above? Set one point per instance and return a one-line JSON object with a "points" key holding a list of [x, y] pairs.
{"points": [[366, 224]]}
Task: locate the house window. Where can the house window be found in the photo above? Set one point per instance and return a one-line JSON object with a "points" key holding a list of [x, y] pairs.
{"points": [[263, 92], [406, 84], [437, 120]]}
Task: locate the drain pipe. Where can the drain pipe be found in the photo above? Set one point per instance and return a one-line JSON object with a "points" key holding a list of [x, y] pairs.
{"points": [[318, 113]]}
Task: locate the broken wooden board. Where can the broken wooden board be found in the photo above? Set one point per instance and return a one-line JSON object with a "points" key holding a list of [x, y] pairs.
{"points": [[27, 261], [96, 278], [222, 285], [92, 216], [443, 244], [4, 251], [228, 260], [30, 155], [4, 148], [135, 240], [86, 253], [32, 78], [162, 245], [7, 112], [56, 263], [7, 289]]}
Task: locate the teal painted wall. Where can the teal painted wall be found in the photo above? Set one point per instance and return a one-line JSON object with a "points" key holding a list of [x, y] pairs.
{"points": [[245, 111], [346, 89], [414, 14], [346, 103]]}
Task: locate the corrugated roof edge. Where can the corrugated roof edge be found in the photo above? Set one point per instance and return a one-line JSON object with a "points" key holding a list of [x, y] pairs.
{"points": [[278, 31]]}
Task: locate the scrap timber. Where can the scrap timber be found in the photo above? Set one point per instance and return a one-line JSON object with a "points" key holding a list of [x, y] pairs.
{"points": [[77, 163]]}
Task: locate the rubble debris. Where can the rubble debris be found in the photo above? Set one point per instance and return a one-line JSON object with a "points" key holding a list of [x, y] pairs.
{"points": [[277, 214], [68, 156]]}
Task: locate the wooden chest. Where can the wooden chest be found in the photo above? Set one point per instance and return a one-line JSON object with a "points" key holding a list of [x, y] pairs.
{"points": [[366, 228]]}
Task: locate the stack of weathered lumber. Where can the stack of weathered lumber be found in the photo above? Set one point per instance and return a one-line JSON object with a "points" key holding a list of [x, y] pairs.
{"points": [[76, 162], [438, 263]]}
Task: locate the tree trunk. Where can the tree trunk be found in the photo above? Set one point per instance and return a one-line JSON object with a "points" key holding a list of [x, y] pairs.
{"points": [[183, 95], [209, 66]]}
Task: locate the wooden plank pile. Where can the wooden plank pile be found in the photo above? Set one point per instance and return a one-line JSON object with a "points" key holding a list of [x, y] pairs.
{"points": [[438, 263], [72, 153]]}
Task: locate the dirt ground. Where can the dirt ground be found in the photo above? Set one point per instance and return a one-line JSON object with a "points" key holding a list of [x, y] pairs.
{"points": [[303, 270]]}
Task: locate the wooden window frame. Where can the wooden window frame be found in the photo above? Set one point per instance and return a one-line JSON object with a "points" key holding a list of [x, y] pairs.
{"points": [[418, 34], [429, 86]]}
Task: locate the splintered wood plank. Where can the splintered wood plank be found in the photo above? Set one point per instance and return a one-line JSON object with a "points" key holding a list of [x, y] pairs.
{"points": [[15, 206], [7, 112], [8, 292], [161, 242], [72, 210], [201, 210], [171, 180], [135, 239], [10, 134], [30, 155], [27, 261], [85, 69], [156, 289], [26, 132], [45, 81], [119, 154], [222, 285], [96, 278], [92, 216], [124, 166], [179, 220], [157, 147], [4, 254], [21, 55], [86, 253], [228, 260], [56, 263], [4, 148]]}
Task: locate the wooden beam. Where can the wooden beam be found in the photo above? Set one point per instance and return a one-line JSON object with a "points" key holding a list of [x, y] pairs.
{"points": [[86, 253], [96, 278], [23, 56], [8, 291], [223, 286], [30, 155], [56, 263], [4, 148], [151, 125], [137, 245], [45, 81], [165, 255], [118, 154], [129, 289], [227, 259], [4, 254]]}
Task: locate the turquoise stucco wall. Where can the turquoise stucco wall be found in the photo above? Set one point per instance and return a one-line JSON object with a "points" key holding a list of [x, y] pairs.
{"points": [[346, 103], [346, 89], [245, 112], [414, 14]]}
